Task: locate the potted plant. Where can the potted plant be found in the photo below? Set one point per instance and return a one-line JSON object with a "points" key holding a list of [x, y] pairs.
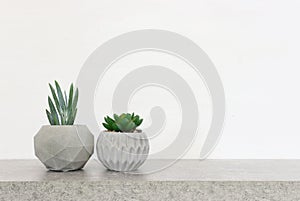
{"points": [[62, 146], [122, 147]]}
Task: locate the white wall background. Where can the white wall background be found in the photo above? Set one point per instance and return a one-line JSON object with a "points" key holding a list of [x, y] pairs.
{"points": [[254, 45]]}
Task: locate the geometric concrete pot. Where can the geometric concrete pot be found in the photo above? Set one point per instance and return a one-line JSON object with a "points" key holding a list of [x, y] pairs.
{"points": [[122, 151], [64, 148]]}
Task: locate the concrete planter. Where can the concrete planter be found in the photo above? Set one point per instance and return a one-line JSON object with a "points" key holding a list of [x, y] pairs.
{"points": [[122, 151], [64, 148]]}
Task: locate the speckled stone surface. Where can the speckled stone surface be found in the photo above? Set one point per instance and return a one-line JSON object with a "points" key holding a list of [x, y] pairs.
{"points": [[224, 180]]}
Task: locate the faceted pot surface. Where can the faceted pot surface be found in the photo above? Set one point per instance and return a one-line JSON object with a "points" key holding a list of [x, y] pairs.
{"points": [[122, 151], [64, 148]]}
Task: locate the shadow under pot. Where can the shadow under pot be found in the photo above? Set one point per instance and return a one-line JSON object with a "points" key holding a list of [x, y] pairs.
{"points": [[122, 151], [64, 148]]}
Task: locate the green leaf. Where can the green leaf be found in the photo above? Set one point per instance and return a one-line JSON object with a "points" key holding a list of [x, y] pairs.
{"points": [[139, 122], [116, 117], [69, 110], [66, 99], [115, 127], [60, 97], [53, 112], [121, 123], [111, 124], [64, 117], [72, 118], [109, 120], [75, 99], [128, 116], [73, 109], [49, 117], [130, 127], [107, 126], [70, 107], [55, 99], [136, 119]]}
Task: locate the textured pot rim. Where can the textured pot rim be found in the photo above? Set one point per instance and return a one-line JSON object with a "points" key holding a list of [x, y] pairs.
{"points": [[64, 126], [122, 133]]}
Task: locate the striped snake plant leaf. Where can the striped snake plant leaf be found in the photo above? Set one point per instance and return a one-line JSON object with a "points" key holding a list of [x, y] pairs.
{"points": [[49, 117], [59, 109], [53, 111], [70, 101], [60, 96], [75, 101]]}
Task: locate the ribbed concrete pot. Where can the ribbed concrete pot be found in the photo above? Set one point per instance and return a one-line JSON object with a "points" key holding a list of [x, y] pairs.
{"points": [[64, 148], [122, 151]]}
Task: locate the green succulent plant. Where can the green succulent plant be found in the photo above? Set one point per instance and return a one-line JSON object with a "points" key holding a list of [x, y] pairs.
{"points": [[126, 122], [63, 110]]}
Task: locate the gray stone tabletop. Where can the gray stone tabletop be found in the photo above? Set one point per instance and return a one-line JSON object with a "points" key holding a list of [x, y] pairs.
{"points": [[182, 170], [185, 180]]}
